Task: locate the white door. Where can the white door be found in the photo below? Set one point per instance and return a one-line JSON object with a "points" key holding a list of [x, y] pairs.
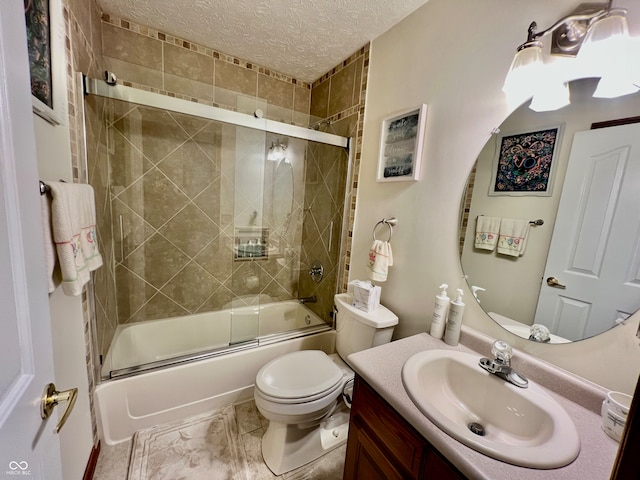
{"points": [[28, 446], [595, 251]]}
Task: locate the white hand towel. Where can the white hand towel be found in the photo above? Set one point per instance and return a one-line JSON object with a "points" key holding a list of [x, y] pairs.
{"points": [[380, 259], [73, 218], [487, 232], [49, 246], [513, 237]]}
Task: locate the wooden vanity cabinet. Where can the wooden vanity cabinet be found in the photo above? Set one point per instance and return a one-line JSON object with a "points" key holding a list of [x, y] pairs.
{"points": [[383, 445]]}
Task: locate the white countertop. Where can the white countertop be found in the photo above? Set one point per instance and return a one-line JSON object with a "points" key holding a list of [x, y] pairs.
{"points": [[381, 367]]}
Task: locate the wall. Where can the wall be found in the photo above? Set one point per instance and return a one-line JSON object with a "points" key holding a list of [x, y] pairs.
{"points": [[337, 106], [488, 269], [459, 74], [172, 173], [146, 58], [57, 150]]}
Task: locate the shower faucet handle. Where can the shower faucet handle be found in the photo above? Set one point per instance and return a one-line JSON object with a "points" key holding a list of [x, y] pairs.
{"points": [[316, 271]]}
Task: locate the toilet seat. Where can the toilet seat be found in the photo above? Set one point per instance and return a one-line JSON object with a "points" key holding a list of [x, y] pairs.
{"points": [[299, 377]]}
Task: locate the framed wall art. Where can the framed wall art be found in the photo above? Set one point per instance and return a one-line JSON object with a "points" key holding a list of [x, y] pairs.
{"points": [[401, 145], [524, 163], [43, 21]]}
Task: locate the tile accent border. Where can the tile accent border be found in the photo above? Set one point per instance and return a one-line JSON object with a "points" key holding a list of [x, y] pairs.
{"points": [[201, 49]]}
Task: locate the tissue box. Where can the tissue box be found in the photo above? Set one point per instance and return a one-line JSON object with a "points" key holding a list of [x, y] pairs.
{"points": [[366, 296]]}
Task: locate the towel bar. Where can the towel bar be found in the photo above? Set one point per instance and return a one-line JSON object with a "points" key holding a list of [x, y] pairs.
{"points": [[389, 222], [44, 188], [535, 223]]}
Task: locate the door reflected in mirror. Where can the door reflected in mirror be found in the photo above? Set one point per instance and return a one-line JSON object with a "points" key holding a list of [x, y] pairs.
{"points": [[579, 272]]}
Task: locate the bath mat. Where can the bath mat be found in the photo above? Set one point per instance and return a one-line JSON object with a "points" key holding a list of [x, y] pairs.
{"points": [[206, 447]]}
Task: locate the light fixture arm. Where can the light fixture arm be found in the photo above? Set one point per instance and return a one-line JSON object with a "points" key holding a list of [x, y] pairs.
{"points": [[572, 34]]}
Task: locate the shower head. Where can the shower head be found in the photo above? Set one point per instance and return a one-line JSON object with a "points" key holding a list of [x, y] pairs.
{"points": [[317, 125]]}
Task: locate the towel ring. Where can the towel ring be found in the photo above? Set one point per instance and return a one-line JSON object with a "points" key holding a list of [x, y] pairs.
{"points": [[391, 222]]}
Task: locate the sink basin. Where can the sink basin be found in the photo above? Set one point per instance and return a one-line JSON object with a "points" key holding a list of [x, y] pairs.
{"points": [[521, 426]]}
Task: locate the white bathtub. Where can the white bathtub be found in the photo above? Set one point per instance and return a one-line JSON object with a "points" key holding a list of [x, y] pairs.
{"points": [[126, 405], [152, 341]]}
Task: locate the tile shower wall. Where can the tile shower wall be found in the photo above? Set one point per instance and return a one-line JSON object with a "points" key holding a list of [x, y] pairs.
{"points": [[180, 68], [176, 67], [83, 32], [337, 106], [175, 202], [146, 58]]}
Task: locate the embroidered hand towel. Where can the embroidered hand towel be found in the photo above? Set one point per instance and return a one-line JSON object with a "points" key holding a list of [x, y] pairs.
{"points": [[380, 259], [487, 232], [73, 219], [513, 237]]}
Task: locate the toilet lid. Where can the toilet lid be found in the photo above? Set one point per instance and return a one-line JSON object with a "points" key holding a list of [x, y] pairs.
{"points": [[298, 375]]}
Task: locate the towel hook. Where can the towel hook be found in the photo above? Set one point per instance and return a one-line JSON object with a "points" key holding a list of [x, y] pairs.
{"points": [[389, 222]]}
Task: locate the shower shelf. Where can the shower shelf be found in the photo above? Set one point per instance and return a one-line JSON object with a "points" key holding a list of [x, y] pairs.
{"points": [[251, 243]]}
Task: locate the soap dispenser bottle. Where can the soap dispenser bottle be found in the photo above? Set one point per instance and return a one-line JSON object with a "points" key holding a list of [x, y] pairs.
{"points": [[454, 320], [440, 310]]}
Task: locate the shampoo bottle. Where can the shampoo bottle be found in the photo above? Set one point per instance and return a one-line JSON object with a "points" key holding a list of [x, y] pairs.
{"points": [[454, 320], [440, 313]]}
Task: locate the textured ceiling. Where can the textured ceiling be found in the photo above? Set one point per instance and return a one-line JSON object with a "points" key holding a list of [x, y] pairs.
{"points": [[301, 38]]}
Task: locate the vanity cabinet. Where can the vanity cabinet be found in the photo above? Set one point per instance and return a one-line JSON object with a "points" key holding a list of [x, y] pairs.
{"points": [[382, 445]]}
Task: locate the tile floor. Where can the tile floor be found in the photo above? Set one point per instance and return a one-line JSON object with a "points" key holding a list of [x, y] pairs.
{"points": [[113, 463]]}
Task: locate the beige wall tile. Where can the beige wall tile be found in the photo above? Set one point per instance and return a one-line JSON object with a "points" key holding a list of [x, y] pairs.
{"points": [[160, 306], [157, 261], [279, 114], [82, 13], [131, 47], [81, 57], [301, 99], [191, 287], [96, 28], [342, 87], [186, 86], [301, 119], [188, 64], [154, 198], [133, 293], [235, 78], [190, 230], [134, 73], [276, 92], [320, 100]]}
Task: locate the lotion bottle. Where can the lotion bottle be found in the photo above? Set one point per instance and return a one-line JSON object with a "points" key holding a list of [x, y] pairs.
{"points": [[440, 310], [454, 320]]}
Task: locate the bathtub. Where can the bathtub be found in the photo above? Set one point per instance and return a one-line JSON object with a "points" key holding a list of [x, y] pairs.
{"points": [[146, 345], [198, 381]]}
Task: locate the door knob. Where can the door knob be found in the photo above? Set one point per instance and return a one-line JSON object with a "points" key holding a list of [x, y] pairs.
{"points": [[553, 282], [51, 397]]}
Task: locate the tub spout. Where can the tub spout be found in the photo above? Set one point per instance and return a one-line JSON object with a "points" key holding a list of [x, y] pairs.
{"points": [[311, 299]]}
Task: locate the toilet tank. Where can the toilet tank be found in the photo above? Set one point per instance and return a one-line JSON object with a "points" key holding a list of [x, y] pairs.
{"points": [[358, 330]]}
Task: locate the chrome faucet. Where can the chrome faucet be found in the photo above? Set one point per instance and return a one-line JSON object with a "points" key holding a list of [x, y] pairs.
{"points": [[501, 364], [311, 299]]}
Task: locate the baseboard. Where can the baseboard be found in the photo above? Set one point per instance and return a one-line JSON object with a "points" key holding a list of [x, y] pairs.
{"points": [[91, 464]]}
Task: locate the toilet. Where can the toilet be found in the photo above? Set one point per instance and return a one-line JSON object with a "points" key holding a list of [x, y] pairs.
{"points": [[301, 393]]}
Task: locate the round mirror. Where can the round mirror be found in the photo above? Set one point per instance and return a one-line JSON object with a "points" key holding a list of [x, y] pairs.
{"points": [[550, 218]]}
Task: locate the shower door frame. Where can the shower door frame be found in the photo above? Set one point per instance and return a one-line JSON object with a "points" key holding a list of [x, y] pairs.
{"points": [[157, 100]]}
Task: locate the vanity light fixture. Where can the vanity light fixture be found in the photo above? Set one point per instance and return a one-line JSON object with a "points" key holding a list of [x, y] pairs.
{"points": [[596, 34], [277, 151]]}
